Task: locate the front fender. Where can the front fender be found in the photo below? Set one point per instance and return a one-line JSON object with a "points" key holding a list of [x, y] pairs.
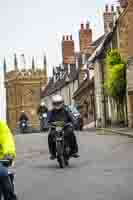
{"points": [[59, 148]]}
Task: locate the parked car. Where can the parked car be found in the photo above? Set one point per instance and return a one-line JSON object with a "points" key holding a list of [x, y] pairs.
{"points": [[76, 116]]}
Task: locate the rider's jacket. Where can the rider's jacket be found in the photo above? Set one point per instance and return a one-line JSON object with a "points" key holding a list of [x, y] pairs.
{"points": [[7, 144], [59, 115]]}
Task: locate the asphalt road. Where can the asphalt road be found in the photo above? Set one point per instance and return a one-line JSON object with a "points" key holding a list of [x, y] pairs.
{"points": [[104, 170]]}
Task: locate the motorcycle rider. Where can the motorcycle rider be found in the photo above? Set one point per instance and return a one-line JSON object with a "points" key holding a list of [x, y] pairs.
{"points": [[58, 113], [42, 108], [23, 119], [7, 152], [23, 116]]}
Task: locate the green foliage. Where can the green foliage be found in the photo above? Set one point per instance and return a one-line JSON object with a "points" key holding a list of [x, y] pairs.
{"points": [[113, 58], [115, 83]]}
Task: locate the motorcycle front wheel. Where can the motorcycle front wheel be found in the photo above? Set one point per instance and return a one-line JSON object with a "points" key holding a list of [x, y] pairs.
{"points": [[60, 157], [61, 162]]}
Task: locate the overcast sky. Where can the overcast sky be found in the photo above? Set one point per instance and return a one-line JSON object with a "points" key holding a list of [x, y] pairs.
{"points": [[35, 27]]}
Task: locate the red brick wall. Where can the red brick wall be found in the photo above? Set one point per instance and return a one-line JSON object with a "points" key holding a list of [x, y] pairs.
{"points": [[68, 51], [85, 39]]}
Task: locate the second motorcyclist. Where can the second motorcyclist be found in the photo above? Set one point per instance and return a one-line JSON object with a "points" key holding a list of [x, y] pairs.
{"points": [[23, 116], [42, 112], [23, 122], [42, 108], [58, 113]]}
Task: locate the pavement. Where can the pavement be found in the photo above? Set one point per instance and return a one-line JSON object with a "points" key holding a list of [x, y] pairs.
{"points": [[104, 170], [121, 131]]}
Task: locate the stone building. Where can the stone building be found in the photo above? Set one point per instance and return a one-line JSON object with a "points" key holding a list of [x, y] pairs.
{"points": [[123, 40], [126, 39], [84, 96], [119, 37], [23, 88]]}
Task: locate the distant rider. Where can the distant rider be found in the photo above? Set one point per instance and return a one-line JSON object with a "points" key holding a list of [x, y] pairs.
{"points": [[23, 116], [42, 109]]}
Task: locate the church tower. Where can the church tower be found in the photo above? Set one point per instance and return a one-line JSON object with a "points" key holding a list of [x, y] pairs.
{"points": [[23, 88]]}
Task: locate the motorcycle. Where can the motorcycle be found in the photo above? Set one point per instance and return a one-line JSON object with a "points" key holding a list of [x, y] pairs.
{"points": [[44, 122], [23, 126], [11, 175], [63, 150]]}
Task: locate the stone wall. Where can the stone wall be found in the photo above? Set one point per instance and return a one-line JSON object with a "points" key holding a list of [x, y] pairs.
{"points": [[23, 93]]}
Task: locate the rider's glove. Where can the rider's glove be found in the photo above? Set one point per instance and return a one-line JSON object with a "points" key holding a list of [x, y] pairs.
{"points": [[10, 158]]}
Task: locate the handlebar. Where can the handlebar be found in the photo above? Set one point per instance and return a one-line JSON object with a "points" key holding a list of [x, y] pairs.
{"points": [[60, 124]]}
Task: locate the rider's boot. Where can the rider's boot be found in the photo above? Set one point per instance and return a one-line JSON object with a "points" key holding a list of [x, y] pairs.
{"points": [[52, 157], [75, 155]]}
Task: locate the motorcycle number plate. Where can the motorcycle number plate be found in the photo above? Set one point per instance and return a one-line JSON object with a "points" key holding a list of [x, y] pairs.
{"points": [[58, 129], [59, 139]]}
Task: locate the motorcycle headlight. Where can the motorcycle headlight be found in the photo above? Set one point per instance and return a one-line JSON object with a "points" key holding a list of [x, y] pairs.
{"points": [[45, 115], [58, 129]]}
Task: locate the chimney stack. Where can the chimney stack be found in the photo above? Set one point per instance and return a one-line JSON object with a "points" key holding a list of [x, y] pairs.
{"points": [[112, 8], [109, 17], [85, 38], [82, 26], [87, 25], [68, 50], [106, 8], [123, 3]]}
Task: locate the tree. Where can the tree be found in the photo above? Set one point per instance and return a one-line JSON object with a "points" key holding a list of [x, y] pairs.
{"points": [[115, 83]]}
